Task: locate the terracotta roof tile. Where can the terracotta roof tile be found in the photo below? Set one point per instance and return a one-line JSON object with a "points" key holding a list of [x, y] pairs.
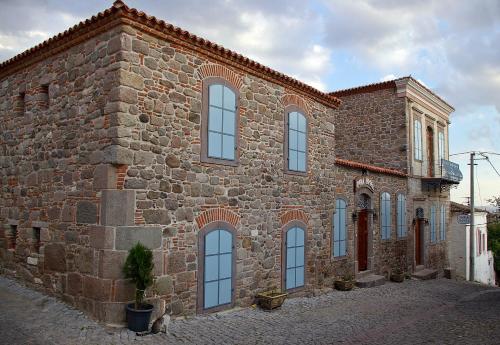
{"points": [[120, 10], [373, 168]]}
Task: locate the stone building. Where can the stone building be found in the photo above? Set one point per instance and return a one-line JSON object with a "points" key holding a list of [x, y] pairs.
{"points": [[400, 124], [125, 128]]}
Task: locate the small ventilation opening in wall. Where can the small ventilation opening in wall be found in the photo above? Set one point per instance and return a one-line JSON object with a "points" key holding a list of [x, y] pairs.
{"points": [[36, 240], [21, 103], [44, 90]]}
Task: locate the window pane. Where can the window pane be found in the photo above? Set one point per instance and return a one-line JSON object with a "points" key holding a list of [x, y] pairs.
{"points": [[228, 124], [299, 256], [292, 120], [227, 147], [225, 266], [212, 243], [292, 140], [211, 268], [290, 257], [301, 161], [301, 122], [290, 238], [215, 95], [226, 241], [336, 226], [342, 250], [229, 99], [336, 248], [299, 276], [215, 120], [290, 278], [225, 291], [211, 294], [214, 145], [299, 239], [301, 142], [292, 160]]}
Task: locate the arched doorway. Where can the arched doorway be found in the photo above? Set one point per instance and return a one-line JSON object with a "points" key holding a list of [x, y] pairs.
{"points": [[364, 206], [430, 151], [419, 236]]}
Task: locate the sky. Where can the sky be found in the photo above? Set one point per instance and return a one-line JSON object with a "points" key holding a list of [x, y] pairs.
{"points": [[451, 46]]}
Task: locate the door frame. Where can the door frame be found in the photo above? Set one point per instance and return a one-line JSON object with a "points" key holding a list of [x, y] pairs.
{"points": [[420, 221], [357, 198]]}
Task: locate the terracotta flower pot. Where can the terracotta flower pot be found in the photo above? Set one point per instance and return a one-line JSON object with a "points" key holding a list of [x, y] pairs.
{"points": [[344, 285], [270, 300]]}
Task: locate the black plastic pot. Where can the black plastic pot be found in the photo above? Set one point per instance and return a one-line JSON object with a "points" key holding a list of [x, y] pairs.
{"points": [[138, 319]]}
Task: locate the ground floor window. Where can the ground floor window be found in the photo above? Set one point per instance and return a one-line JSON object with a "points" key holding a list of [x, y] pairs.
{"points": [[218, 268], [294, 275]]}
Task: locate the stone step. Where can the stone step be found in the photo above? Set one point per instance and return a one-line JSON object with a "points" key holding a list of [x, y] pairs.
{"points": [[362, 274], [425, 274], [419, 268], [370, 281]]}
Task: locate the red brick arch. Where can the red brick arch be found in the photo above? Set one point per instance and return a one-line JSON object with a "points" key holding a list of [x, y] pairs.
{"points": [[213, 70], [293, 99], [291, 215], [217, 215]]}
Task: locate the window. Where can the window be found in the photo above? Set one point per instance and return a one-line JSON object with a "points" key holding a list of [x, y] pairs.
{"points": [[295, 250], [296, 142], [441, 150], [219, 123], [21, 103], [433, 224], [385, 215], [417, 137], [339, 229], [442, 223], [36, 240], [11, 237], [401, 214], [478, 242], [218, 268]]}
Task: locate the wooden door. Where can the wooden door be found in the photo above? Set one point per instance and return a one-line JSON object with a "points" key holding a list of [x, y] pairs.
{"points": [[418, 242], [430, 151], [363, 240]]}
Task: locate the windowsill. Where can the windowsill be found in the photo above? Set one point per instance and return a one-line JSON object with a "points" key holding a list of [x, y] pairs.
{"points": [[218, 161], [339, 258], [296, 173], [297, 289], [405, 238], [217, 308]]}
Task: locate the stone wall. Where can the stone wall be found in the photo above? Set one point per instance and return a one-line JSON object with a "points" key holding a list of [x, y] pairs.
{"points": [[371, 128]]}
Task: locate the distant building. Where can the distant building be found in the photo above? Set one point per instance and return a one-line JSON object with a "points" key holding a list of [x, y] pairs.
{"points": [[459, 246]]}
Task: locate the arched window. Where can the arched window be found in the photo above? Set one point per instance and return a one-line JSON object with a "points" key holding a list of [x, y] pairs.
{"points": [[296, 141], [401, 216], [442, 223], [385, 215], [441, 147], [433, 223], [217, 268], [294, 258], [219, 122], [340, 229]]}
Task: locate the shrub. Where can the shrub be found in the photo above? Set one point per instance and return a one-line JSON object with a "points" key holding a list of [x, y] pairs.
{"points": [[138, 268]]}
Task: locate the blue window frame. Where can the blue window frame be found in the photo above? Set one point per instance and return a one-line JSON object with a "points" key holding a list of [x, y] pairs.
{"points": [[218, 268], [442, 223], [295, 251], [297, 142], [401, 215], [221, 122], [339, 229], [385, 215], [433, 223]]}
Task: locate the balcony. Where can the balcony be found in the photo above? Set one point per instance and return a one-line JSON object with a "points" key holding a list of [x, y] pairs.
{"points": [[449, 175]]}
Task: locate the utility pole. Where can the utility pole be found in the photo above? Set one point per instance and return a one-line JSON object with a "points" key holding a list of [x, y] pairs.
{"points": [[472, 252]]}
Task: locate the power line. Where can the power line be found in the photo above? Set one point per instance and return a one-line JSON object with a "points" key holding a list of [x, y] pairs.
{"points": [[478, 187], [492, 166]]}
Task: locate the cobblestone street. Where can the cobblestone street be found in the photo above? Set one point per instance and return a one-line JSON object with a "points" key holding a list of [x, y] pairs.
{"points": [[414, 312]]}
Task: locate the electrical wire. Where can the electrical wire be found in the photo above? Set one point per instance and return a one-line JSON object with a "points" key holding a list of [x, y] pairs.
{"points": [[478, 187], [492, 166]]}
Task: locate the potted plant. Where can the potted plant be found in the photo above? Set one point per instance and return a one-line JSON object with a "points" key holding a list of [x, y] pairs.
{"points": [[138, 268], [271, 299], [344, 283], [397, 275]]}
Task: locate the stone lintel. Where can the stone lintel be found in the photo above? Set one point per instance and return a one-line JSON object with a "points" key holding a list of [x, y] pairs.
{"points": [[128, 236], [117, 207]]}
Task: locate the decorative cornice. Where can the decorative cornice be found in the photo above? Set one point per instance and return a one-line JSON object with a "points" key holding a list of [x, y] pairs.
{"points": [[103, 21], [372, 168]]}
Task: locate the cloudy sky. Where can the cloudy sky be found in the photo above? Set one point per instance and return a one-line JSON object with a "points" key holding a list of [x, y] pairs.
{"points": [[451, 46]]}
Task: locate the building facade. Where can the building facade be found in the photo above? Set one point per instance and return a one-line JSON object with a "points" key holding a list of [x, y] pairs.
{"points": [[126, 129]]}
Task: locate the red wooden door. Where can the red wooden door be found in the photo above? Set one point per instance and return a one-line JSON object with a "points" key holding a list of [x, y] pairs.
{"points": [[430, 151], [363, 240], [418, 243]]}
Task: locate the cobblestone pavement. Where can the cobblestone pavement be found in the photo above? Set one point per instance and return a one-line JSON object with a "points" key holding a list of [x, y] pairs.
{"points": [[414, 312]]}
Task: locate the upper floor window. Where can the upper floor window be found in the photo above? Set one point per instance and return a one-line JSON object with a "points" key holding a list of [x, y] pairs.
{"points": [[441, 148], [433, 223], [442, 223], [385, 215], [296, 141], [339, 229], [401, 214], [417, 137], [219, 123]]}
